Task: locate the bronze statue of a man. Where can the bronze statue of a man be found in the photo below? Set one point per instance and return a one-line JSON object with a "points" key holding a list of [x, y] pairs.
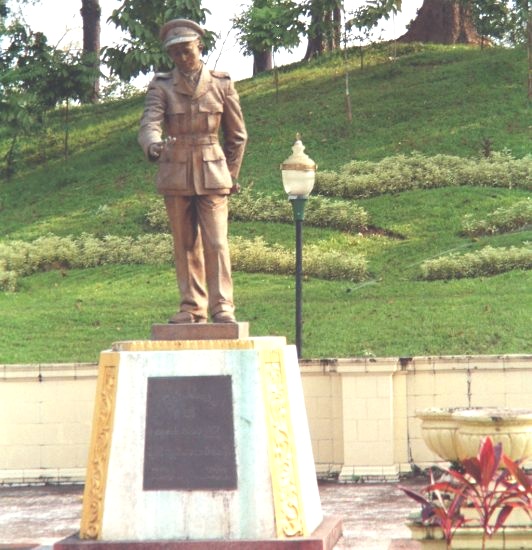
{"points": [[179, 129]]}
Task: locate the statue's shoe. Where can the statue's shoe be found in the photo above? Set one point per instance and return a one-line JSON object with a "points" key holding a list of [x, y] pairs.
{"points": [[223, 317], [186, 317]]}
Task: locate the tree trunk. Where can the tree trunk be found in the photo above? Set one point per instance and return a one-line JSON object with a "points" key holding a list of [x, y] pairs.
{"points": [[91, 12], [325, 32], [262, 61], [316, 40], [337, 28], [315, 47], [443, 22]]}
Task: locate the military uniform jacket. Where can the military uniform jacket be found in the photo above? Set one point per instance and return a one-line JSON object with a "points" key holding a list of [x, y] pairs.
{"points": [[195, 163]]}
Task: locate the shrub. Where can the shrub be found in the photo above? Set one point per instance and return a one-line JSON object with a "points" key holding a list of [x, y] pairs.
{"points": [[491, 483], [500, 169], [8, 280], [257, 256], [511, 218], [360, 179], [342, 215], [485, 262], [249, 206], [19, 258], [156, 217], [334, 264]]}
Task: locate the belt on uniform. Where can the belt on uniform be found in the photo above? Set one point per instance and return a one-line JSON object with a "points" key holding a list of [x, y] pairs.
{"points": [[195, 140]]}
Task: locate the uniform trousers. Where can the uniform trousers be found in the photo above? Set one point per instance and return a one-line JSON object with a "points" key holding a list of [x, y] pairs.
{"points": [[201, 249]]}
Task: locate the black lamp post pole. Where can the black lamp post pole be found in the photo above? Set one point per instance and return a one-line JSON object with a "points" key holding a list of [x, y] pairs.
{"points": [[298, 206]]}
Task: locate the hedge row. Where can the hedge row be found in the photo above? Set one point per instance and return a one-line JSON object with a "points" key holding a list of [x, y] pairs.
{"points": [[515, 217], [360, 179], [19, 258], [485, 262], [250, 206]]}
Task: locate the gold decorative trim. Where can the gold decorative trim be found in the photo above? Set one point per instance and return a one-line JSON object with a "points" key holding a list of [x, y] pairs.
{"points": [[286, 486], [102, 430], [177, 345]]}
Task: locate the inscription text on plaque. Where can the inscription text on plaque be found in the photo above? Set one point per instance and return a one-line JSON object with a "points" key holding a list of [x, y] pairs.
{"points": [[190, 442]]}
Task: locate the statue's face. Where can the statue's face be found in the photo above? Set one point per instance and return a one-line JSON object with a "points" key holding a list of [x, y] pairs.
{"points": [[186, 56]]}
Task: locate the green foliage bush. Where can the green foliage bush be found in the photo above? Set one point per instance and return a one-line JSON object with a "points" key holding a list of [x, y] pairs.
{"points": [[511, 218], [360, 179], [8, 279], [485, 262], [256, 256], [19, 258], [249, 206], [156, 217]]}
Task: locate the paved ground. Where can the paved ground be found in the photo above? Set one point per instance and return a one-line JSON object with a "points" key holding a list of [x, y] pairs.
{"points": [[373, 514]]}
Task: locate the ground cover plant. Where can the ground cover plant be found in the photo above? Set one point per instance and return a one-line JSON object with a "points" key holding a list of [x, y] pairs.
{"points": [[359, 179], [20, 258], [485, 262], [515, 217], [491, 484], [363, 293], [249, 206]]}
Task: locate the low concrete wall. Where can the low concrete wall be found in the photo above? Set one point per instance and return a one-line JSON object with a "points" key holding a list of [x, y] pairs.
{"points": [[361, 412], [45, 422]]}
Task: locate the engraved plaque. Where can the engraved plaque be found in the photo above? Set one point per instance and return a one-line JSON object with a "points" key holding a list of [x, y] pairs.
{"points": [[190, 443]]}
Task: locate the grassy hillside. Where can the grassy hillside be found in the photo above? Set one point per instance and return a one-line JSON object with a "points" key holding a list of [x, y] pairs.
{"points": [[431, 99]]}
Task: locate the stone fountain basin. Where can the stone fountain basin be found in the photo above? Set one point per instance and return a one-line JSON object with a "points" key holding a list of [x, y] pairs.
{"points": [[456, 433]]}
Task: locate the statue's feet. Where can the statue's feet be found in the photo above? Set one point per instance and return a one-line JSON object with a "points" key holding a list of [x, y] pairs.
{"points": [[223, 317], [186, 317]]}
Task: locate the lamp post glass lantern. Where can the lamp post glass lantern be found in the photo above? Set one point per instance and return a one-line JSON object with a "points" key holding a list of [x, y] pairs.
{"points": [[298, 174]]}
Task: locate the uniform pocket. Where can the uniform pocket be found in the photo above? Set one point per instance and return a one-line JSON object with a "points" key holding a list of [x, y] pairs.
{"points": [[211, 113], [176, 119], [173, 169], [174, 152], [215, 171], [176, 107], [213, 107]]}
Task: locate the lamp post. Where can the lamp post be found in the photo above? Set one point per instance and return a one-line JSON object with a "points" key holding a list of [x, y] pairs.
{"points": [[299, 174]]}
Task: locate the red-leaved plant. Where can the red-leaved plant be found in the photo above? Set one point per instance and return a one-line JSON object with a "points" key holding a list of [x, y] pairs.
{"points": [[491, 483]]}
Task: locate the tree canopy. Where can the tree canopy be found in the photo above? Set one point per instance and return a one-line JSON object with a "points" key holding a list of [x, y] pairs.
{"points": [[266, 26], [141, 51]]}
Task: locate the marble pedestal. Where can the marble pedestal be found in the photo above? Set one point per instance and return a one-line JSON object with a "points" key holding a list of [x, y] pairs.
{"points": [[249, 480]]}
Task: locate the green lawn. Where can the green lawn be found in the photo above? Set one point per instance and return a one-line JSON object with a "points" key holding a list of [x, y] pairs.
{"points": [[431, 99]]}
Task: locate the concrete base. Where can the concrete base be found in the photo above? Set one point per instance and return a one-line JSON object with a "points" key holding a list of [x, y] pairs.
{"points": [[234, 463], [200, 331], [323, 538]]}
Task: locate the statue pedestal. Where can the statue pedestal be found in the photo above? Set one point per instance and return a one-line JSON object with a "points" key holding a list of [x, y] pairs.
{"points": [[201, 444]]}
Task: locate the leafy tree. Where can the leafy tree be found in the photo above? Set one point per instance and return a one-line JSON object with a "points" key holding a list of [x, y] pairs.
{"points": [[141, 52], [265, 27], [490, 18], [3, 14], [34, 78], [367, 17], [519, 27]]}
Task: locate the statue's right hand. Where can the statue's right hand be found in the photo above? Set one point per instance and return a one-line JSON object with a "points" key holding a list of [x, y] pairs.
{"points": [[155, 149]]}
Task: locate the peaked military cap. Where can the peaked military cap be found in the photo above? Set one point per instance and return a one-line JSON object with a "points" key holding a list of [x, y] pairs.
{"points": [[177, 31]]}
